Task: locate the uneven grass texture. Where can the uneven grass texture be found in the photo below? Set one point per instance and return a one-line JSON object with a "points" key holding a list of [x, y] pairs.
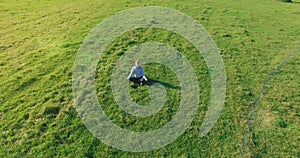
{"points": [[38, 45]]}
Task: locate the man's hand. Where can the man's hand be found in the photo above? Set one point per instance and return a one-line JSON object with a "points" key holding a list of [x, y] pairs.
{"points": [[144, 77]]}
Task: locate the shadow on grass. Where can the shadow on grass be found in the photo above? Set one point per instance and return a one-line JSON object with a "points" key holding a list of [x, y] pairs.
{"points": [[293, 2], [165, 84]]}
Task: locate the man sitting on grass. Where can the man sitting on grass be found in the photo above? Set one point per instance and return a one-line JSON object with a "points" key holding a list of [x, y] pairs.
{"points": [[138, 72]]}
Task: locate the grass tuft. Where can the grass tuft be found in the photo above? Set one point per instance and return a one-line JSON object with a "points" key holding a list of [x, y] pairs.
{"points": [[51, 110]]}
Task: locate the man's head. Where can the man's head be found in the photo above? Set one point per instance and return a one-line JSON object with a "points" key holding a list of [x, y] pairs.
{"points": [[137, 63]]}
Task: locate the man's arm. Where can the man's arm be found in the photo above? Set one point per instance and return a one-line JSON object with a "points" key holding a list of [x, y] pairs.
{"points": [[143, 74], [144, 77], [131, 72]]}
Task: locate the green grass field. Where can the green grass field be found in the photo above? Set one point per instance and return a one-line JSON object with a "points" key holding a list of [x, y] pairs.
{"points": [[39, 41]]}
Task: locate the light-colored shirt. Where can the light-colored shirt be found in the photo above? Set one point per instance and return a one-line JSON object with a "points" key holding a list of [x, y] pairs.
{"points": [[137, 71]]}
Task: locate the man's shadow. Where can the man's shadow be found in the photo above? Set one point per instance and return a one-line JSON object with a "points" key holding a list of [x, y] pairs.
{"points": [[153, 81]]}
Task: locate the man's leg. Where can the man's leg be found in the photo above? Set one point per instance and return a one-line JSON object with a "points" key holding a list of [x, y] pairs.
{"points": [[134, 80], [137, 80], [141, 80]]}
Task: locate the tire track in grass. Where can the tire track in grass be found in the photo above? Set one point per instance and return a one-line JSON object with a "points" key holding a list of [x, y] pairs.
{"points": [[257, 101]]}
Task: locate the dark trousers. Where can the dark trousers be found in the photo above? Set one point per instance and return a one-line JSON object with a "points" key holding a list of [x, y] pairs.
{"points": [[135, 80]]}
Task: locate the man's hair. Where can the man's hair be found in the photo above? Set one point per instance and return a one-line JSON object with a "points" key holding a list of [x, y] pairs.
{"points": [[137, 62]]}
